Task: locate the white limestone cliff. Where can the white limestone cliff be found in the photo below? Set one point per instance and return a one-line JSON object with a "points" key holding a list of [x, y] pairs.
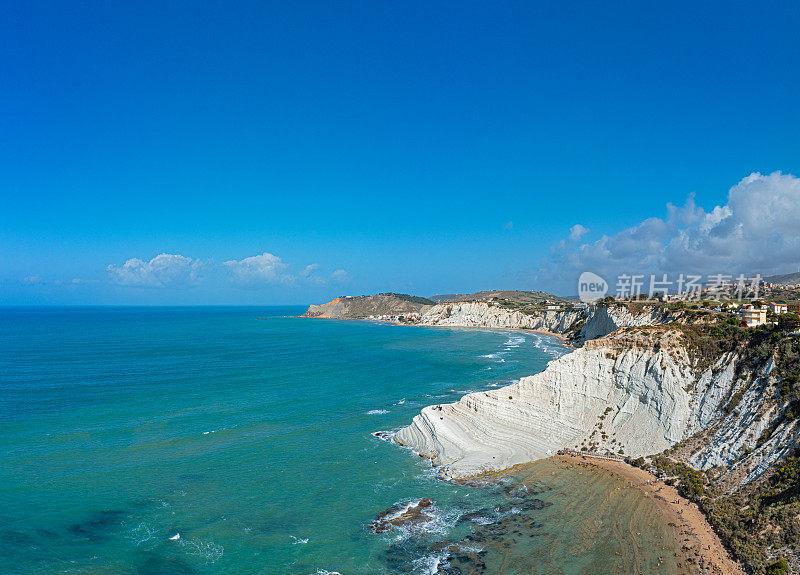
{"points": [[482, 314], [635, 392], [580, 325]]}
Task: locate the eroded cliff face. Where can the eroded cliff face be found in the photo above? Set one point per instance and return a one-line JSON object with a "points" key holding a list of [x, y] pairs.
{"points": [[751, 433], [635, 392], [578, 325], [482, 314], [604, 320]]}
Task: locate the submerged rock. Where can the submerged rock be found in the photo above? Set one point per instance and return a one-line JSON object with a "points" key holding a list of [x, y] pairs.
{"points": [[405, 515], [384, 435]]}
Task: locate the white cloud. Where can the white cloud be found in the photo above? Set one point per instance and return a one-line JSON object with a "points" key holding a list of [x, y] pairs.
{"points": [[576, 232], [258, 270], [164, 270], [340, 276], [35, 279], [169, 270], [756, 231], [508, 225], [309, 270]]}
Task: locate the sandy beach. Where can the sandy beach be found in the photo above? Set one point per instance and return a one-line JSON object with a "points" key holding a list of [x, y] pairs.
{"points": [[557, 336], [700, 546]]}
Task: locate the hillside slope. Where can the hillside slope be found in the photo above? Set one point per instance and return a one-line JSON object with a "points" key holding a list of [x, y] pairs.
{"points": [[793, 278], [516, 296], [360, 307]]}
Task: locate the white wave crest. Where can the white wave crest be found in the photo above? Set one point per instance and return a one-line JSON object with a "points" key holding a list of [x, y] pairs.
{"points": [[208, 550], [430, 564]]}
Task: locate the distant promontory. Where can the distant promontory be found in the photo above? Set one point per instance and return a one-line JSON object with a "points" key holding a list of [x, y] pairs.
{"points": [[375, 306]]}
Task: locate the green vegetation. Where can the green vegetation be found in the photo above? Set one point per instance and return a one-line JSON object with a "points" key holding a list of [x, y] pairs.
{"points": [[638, 462], [410, 298], [763, 516], [778, 568], [789, 322], [510, 298], [529, 303], [759, 523], [707, 342], [691, 482]]}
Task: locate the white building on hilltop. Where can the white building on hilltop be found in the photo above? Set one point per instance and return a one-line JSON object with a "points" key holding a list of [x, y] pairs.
{"points": [[778, 308], [753, 316]]}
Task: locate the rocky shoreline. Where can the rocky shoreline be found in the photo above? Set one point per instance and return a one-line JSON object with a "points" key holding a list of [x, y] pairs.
{"points": [[537, 519], [690, 390], [700, 546]]}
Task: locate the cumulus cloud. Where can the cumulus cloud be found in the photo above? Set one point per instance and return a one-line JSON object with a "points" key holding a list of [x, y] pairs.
{"points": [[170, 270], [340, 276], [576, 232], [309, 270], [268, 269], [756, 231], [164, 270], [258, 270], [32, 280]]}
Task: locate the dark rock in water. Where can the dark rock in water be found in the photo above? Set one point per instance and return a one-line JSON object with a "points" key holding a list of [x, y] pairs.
{"points": [[402, 556], [406, 515], [534, 505], [472, 516], [384, 435], [440, 546], [520, 491]]}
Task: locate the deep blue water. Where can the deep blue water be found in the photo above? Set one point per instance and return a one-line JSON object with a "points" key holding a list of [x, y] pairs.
{"points": [[245, 430]]}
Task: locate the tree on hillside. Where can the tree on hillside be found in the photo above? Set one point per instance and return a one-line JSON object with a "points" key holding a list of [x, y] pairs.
{"points": [[789, 321], [778, 568]]}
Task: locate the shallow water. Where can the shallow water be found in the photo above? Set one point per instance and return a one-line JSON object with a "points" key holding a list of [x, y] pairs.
{"points": [[248, 433], [573, 519]]}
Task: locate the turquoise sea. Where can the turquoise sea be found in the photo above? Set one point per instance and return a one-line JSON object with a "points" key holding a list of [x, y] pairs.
{"points": [[240, 440]]}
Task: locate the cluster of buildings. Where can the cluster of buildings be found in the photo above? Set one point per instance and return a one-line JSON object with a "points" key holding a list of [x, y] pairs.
{"points": [[771, 285], [407, 317], [753, 316]]}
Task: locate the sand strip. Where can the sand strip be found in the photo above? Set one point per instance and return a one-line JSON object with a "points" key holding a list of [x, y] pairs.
{"points": [[699, 542]]}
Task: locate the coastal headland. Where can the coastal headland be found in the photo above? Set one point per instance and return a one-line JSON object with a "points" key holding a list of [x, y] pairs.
{"points": [[707, 404]]}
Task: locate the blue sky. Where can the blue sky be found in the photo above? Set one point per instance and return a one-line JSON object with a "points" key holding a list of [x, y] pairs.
{"points": [[415, 147]]}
